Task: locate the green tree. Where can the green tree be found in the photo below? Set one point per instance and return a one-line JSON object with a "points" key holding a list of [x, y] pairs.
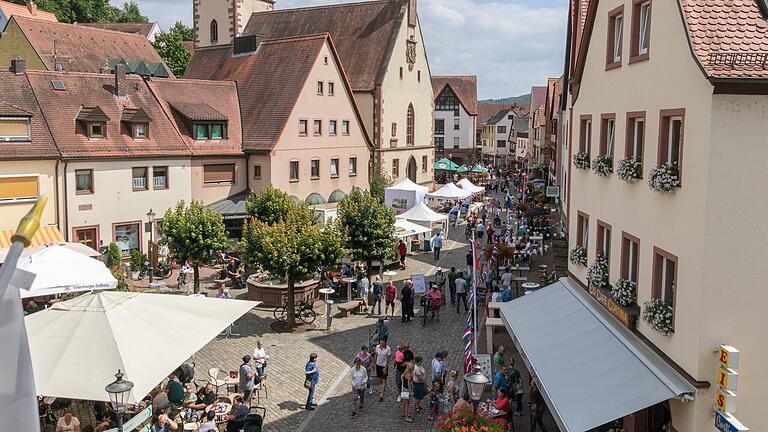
{"points": [[271, 206], [114, 257], [378, 181], [87, 11], [191, 233], [183, 30], [171, 49], [294, 247], [130, 13], [367, 226]]}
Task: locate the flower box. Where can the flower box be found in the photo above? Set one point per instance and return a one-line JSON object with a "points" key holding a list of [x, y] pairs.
{"points": [[578, 255], [624, 292], [597, 273], [602, 165], [629, 170], [658, 315], [664, 178], [581, 160]]}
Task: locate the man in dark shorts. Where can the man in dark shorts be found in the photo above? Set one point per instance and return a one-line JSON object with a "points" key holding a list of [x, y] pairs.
{"points": [[381, 357]]}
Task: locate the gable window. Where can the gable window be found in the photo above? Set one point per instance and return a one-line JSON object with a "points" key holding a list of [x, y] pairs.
{"points": [[630, 257], [607, 134], [409, 124], [15, 129], [641, 30], [424, 162], [635, 136], [332, 127], [140, 130], [396, 168], [394, 129], [439, 144], [18, 189], [615, 32], [294, 170], [160, 177], [318, 127], [334, 167], [455, 142], [303, 127], [210, 131], [671, 137], [664, 277], [603, 239], [97, 130], [257, 172], [447, 101], [219, 174], [582, 230], [456, 123], [353, 166], [315, 169], [345, 127], [585, 134], [214, 32], [319, 87], [139, 178], [331, 89], [83, 182], [501, 129], [439, 126]]}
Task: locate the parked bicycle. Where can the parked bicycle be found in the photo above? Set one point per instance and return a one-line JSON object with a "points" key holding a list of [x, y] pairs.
{"points": [[163, 271], [303, 309]]}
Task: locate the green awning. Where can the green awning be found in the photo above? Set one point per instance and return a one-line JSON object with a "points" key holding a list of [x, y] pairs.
{"points": [[479, 169], [445, 165], [336, 196], [462, 169], [314, 199]]}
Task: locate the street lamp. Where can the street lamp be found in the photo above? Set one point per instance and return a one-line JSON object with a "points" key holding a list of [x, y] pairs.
{"points": [[118, 394], [151, 217], [476, 382]]}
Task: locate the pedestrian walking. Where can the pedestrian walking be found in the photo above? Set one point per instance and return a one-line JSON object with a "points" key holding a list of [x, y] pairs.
{"points": [[537, 408], [378, 290], [438, 370], [391, 294], [406, 301], [260, 359], [406, 391], [382, 331], [480, 230], [246, 379], [452, 276], [452, 390], [312, 377], [440, 282], [402, 250], [461, 293], [434, 400], [382, 355], [364, 286], [366, 359], [419, 382], [437, 244], [516, 386], [399, 368], [498, 359], [359, 379]]}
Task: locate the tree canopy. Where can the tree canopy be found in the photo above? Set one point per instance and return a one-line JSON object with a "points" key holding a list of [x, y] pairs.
{"points": [[378, 181], [192, 232], [184, 31], [367, 226], [88, 11], [270, 206], [171, 49]]}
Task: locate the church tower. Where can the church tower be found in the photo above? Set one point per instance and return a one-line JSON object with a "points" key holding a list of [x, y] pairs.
{"points": [[218, 22]]}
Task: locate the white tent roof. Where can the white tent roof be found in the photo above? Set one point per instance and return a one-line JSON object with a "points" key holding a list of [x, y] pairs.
{"points": [[450, 191], [77, 247], [58, 269], [408, 185], [469, 186], [78, 345], [421, 213], [404, 228]]}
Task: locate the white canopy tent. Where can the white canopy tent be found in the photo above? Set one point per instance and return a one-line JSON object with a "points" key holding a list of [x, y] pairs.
{"points": [[405, 229], [77, 247], [470, 187], [449, 192], [58, 269], [404, 195], [424, 215], [78, 345]]}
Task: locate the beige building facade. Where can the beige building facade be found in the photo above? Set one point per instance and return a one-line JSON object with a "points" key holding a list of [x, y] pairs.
{"points": [[218, 22], [651, 96]]}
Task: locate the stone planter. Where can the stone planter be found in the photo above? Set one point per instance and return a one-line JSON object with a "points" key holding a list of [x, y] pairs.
{"points": [[271, 291]]}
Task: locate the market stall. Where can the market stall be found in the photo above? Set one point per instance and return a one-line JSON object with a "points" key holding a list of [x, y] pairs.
{"points": [[411, 233], [449, 192], [404, 195], [425, 216], [470, 187]]}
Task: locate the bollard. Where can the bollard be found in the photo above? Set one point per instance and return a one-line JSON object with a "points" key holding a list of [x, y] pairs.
{"points": [[328, 317]]}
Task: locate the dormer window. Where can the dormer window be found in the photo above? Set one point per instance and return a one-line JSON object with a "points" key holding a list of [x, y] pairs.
{"points": [[94, 121], [204, 121], [96, 130], [15, 129], [139, 130], [210, 131], [137, 122]]}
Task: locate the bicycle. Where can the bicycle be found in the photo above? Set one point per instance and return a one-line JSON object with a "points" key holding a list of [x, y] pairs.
{"points": [[425, 307], [304, 312]]}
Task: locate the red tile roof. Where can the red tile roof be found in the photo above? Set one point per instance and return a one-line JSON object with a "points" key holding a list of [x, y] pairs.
{"points": [[465, 88], [538, 97], [17, 99], [61, 109], [84, 49], [727, 31], [142, 29], [362, 32], [486, 111], [220, 97], [11, 9]]}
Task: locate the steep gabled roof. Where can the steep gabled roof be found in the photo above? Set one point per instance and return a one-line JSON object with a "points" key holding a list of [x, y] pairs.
{"points": [[12, 9], [61, 110], [486, 111], [202, 100], [538, 97], [363, 33], [143, 29], [465, 88], [499, 116], [17, 100], [84, 49]]}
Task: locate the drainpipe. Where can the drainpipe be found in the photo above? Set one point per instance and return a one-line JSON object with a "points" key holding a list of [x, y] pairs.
{"points": [[66, 208], [56, 193]]}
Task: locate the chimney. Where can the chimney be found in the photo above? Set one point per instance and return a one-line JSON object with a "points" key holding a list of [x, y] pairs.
{"points": [[120, 82], [32, 6], [18, 66]]}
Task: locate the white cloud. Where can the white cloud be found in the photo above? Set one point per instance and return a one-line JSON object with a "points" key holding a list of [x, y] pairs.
{"points": [[510, 45]]}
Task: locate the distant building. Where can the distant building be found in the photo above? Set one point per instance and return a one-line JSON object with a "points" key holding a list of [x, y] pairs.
{"points": [[29, 10], [455, 117], [495, 137], [149, 29], [537, 124]]}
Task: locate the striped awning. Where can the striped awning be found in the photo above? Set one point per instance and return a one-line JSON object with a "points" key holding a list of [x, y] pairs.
{"points": [[44, 235]]}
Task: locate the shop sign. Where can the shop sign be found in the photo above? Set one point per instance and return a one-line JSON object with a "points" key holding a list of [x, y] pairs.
{"points": [[614, 308], [729, 357], [727, 379], [727, 423], [725, 400]]}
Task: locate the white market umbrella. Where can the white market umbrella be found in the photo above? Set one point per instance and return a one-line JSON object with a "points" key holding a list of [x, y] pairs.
{"points": [[78, 345], [58, 269], [77, 247], [450, 192]]}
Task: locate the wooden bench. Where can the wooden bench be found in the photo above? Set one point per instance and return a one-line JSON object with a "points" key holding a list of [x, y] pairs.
{"points": [[490, 325], [350, 306], [220, 283]]}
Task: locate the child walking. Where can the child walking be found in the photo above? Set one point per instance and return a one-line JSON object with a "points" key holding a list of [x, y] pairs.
{"points": [[434, 400]]}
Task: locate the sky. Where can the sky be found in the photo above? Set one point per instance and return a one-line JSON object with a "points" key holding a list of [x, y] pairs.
{"points": [[510, 45]]}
